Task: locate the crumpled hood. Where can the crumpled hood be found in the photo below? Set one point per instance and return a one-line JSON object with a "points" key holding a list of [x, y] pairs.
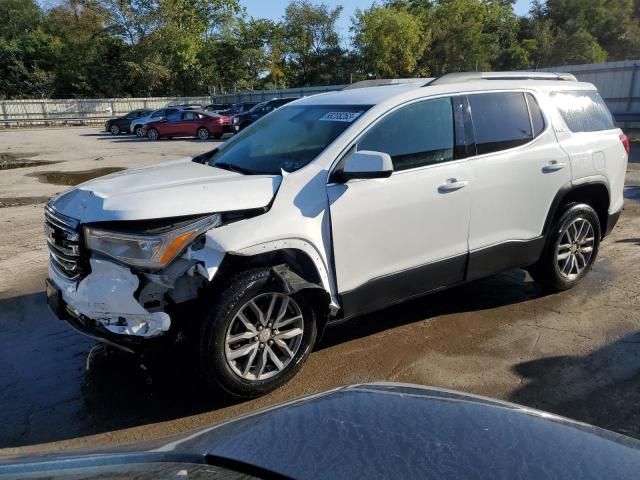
{"points": [[163, 190]]}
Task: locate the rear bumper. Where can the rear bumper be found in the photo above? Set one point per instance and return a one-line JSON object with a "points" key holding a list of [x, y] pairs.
{"points": [[612, 219]]}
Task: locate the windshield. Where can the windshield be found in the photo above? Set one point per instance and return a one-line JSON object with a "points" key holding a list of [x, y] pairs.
{"points": [[287, 139]]}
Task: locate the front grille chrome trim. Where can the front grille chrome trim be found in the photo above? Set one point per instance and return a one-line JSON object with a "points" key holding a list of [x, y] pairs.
{"points": [[64, 242]]}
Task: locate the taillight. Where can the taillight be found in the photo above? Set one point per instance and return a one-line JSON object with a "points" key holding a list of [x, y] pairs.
{"points": [[626, 142]]}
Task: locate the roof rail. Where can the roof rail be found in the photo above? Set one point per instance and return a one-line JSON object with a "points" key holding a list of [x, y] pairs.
{"points": [[381, 82], [458, 77]]}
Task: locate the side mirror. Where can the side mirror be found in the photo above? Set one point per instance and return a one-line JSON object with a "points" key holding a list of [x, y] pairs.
{"points": [[365, 164]]}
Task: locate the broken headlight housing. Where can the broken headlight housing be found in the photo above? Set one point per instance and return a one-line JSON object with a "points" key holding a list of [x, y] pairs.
{"points": [[147, 250]]}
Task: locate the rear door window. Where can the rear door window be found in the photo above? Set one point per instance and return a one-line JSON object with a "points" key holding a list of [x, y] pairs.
{"points": [[414, 136], [189, 116], [500, 121], [583, 110]]}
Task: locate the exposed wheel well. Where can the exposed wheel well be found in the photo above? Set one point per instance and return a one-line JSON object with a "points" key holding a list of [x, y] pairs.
{"points": [[596, 195], [297, 260]]}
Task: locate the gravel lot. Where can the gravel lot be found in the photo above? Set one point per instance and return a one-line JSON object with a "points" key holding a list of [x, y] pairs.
{"points": [[574, 353]]}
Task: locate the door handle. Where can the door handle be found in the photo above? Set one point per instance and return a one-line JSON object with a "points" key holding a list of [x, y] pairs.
{"points": [[553, 166], [451, 185]]}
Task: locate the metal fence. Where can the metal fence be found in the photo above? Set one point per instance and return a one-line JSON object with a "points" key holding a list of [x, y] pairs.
{"points": [[263, 95], [618, 82], [80, 111]]}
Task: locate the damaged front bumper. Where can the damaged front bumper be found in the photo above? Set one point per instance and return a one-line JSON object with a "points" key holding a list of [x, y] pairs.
{"points": [[103, 304]]}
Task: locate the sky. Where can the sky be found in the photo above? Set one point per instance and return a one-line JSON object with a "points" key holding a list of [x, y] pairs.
{"points": [[274, 9]]}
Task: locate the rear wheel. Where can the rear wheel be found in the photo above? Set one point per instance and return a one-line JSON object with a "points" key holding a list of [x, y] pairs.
{"points": [[114, 129], [203, 133], [570, 250], [255, 337], [153, 134]]}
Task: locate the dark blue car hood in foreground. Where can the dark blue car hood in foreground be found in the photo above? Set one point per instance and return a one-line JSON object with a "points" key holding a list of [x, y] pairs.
{"points": [[399, 431]]}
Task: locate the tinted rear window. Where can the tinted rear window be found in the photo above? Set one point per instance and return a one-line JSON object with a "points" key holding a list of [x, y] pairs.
{"points": [[500, 121], [583, 111]]}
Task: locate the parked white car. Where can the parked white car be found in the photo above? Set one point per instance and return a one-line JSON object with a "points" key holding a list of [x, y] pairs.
{"points": [[333, 206]]}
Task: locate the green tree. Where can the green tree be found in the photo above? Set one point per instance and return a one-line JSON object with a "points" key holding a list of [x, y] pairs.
{"points": [[460, 42], [313, 44], [390, 41]]}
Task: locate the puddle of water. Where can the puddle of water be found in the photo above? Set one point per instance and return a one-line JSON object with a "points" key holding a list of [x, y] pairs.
{"points": [[21, 201], [73, 178], [20, 160]]}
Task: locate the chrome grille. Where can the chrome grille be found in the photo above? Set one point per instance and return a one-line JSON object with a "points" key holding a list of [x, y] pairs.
{"points": [[65, 247]]}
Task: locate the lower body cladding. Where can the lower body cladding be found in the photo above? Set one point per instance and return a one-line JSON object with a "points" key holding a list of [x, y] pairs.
{"points": [[123, 308]]}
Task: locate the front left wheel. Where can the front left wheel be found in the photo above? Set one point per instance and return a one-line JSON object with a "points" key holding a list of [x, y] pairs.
{"points": [[255, 337], [115, 129]]}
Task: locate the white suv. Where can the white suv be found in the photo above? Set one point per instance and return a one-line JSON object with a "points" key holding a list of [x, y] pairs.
{"points": [[333, 206]]}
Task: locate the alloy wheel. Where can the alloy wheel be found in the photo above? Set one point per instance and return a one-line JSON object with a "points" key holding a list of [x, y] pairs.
{"points": [[575, 248], [264, 336], [203, 134]]}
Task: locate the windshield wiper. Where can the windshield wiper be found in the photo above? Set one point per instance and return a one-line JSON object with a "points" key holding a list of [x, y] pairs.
{"points": [[233, 168]]}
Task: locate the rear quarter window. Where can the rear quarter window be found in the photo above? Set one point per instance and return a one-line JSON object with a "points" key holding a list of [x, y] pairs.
{"points": [[500, 121], [583, 110]]}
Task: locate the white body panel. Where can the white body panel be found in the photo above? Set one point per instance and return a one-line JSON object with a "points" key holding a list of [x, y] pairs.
{"points": [[385, 226], [514, 189], [168, 189], [597, 156]]}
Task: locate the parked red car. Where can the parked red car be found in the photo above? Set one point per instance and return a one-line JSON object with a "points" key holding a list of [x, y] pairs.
{"points": [[189, 124]]}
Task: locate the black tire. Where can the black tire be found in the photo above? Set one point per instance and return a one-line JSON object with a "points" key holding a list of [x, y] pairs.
{"points": [[114, 129], [202, 133], [221, 312], [547, 271], [137, 130], [153, 134]]}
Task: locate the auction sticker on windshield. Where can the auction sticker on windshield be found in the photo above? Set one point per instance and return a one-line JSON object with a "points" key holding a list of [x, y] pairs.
{"points": [[340, 116]]}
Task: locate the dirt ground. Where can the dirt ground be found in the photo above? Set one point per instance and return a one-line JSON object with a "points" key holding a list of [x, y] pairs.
{"points": [[574, 353]]}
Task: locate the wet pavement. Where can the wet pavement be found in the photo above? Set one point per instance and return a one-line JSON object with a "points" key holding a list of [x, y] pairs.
{"points": [[574, 353], [11, 160], [74, 178]]}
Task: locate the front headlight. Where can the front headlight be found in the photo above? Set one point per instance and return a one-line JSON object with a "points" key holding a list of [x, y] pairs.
{"points": [[147, 251], [235, 119]]}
